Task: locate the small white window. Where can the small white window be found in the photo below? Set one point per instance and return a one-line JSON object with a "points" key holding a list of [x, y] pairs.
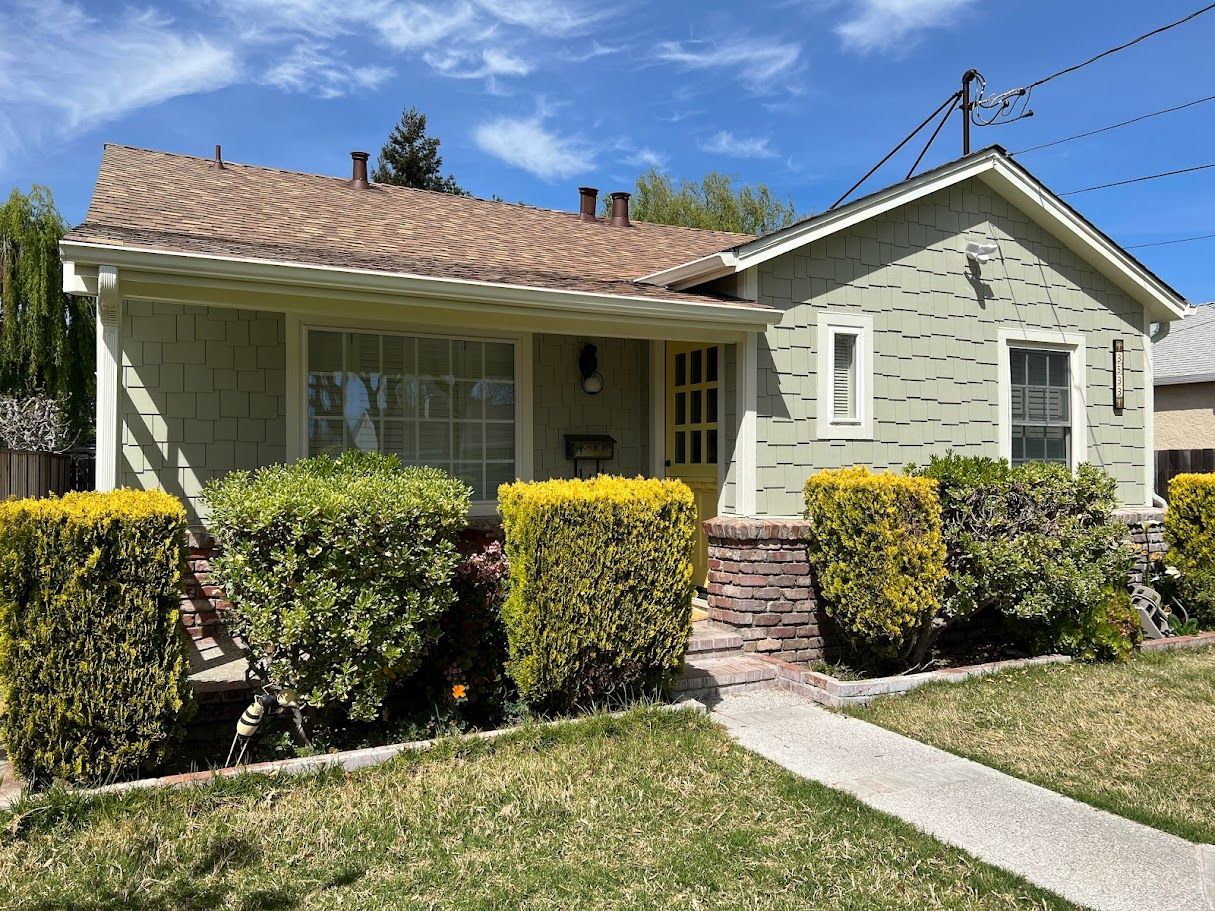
{"points": [[845, 381]]}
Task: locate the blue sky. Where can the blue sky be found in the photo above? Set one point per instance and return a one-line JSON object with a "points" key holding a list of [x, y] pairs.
{"points": [[534, 97]]}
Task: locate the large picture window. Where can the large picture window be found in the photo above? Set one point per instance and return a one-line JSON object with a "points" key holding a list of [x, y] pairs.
{"points": [[1040, 405], [444, 402]]}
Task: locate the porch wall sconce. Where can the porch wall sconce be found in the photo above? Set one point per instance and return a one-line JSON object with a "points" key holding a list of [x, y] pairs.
{"points": [[588, 366]]}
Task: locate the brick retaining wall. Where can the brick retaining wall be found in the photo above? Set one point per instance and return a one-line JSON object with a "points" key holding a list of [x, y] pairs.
{"points": [[760, 584]]}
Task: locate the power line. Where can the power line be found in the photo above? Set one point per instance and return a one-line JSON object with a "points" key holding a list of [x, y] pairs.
{"points": [[1114, 126], [1165, 243], [1121, 47], [944, 104], [1122, 183]]}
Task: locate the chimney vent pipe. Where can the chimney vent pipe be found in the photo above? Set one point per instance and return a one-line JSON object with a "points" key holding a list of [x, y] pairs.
{"points": [[218, 163], [358, 179], [620, 210], [587, 197]]}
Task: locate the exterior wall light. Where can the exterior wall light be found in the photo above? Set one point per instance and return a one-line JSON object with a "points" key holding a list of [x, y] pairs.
{"points": [[981, 253], [588, 366]]}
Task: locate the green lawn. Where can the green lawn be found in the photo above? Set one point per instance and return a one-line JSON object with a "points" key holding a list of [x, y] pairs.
{"points": [[652, 810], [1136, 738]]}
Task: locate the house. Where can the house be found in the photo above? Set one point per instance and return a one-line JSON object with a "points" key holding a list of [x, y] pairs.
{"points": [[1184, 358], [248, 315]]}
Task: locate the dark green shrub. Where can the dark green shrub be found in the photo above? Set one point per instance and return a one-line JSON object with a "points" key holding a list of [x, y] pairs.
{"points": [[92, 665], [1107, 631], [875, 546], [600, 586], [1189, 529], [338, 570], [1035, 543]]}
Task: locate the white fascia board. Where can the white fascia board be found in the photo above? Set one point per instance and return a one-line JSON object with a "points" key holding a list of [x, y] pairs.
{"points": [[1183, 380], [79, 256], [697, 272]]}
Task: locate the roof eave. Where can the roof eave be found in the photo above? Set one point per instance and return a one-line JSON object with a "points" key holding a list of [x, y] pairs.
{"points": [[77, 253]]}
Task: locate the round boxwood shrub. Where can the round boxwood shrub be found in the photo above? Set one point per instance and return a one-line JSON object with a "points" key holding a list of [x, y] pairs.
{"points": [[1189, 529], [599, 601], [337, 570], [92, 667]]}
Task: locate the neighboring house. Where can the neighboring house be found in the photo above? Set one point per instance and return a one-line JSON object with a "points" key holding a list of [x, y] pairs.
{"points": [[1185, 382], [248, 315]]}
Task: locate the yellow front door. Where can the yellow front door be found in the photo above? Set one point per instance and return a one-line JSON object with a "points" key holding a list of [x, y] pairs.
{"points": [[693, 391]]}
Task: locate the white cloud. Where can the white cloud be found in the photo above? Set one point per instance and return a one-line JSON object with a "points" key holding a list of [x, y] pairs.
{"points": [[486, 64], [309, 68], [526, 143], [884, 25], [549, 17], [726, 143], [71, 73], [646, 158], [760, 63]]}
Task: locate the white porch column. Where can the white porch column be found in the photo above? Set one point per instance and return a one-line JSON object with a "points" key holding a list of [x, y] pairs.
{"points": [[745, 447], [109, 365]]}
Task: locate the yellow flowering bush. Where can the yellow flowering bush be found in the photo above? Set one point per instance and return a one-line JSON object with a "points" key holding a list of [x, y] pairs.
{"points": [[92, 665], [1189, 529], [878, 556], [600, 591]]}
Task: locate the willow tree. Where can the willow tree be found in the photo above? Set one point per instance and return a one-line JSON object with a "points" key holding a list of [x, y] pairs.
{"points": [[46, 336]]}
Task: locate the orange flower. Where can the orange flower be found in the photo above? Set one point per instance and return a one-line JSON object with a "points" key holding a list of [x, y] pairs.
{"points": [[458, 691]]}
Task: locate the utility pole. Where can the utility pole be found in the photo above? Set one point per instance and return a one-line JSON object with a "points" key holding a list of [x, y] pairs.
{"points": [[967, 78]]}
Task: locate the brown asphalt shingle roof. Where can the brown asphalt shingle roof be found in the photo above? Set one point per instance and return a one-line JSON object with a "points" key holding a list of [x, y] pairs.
{"points": [[179, 203]]}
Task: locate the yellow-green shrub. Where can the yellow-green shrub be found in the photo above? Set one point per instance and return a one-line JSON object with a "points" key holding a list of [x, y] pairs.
{"points": [[93, 668], [1189, 529], [877, 552], [600, 589]]}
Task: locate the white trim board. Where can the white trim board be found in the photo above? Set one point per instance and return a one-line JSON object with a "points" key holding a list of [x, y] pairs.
{"points": [[1005, 176], [1052, 340]]}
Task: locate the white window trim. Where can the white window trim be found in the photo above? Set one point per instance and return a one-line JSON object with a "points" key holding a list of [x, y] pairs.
{"points": [[297, 384], [1048, 340], [828, 426]]}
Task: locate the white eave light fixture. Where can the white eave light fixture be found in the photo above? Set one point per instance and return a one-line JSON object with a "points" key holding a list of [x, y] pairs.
{"points": [[981, 253]]}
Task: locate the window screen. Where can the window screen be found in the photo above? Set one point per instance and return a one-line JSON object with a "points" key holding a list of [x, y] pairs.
{"points": [[1040, 386]]}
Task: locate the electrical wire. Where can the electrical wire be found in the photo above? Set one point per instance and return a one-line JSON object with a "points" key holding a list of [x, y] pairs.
{"points": [[1122, 183], [1114, 126], [952, 99], [1121, 47], [1165, 243], [935, 133]]}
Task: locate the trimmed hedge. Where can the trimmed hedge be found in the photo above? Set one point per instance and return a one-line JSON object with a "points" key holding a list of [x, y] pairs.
{"points": [[337, 570], [600, 586], [92, 665], [876, 549], [1189, 529]]}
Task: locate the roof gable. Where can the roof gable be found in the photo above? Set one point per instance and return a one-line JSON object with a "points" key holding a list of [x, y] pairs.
{"points": [[996, 169]]}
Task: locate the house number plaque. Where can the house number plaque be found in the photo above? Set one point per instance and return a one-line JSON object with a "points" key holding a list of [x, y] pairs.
{"points": [[1119, 377]]}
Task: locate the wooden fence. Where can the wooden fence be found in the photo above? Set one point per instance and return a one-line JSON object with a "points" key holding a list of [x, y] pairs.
{"points": [[34, 474], [1172, 462]]}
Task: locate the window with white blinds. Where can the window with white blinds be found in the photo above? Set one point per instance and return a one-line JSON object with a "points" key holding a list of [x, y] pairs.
{"points": [[445, 402], [843, 377], [1040, 406]]}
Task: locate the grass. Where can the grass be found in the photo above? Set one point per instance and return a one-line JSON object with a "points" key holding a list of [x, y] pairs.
{"points": [[1137, 738], [653, 809]]}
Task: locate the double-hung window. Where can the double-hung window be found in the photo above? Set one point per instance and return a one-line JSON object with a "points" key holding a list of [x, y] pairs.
{"points": [[1040, 405], [845, 376], [444, 402]]}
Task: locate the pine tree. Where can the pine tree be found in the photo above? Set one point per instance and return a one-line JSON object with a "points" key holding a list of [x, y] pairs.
{"points": [[410, 158], [46, 336]]}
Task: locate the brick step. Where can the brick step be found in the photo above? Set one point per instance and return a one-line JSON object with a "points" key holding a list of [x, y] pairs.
{"points": [[709, 638], [710, 676]]}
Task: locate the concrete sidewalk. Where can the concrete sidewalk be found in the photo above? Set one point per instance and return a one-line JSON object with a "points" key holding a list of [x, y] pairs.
{"points": [[1088, 856]]}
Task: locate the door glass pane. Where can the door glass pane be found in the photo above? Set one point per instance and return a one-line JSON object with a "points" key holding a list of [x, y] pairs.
{"points": [[680, 448], [711, 446], [681, 408], [695, 366], [681, 369], [711, 366], [695, 416], [711, 404], [696, 450]]}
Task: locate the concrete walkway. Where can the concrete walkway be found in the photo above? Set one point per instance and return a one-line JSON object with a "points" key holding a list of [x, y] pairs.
{"points": [[1088, 856]]}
